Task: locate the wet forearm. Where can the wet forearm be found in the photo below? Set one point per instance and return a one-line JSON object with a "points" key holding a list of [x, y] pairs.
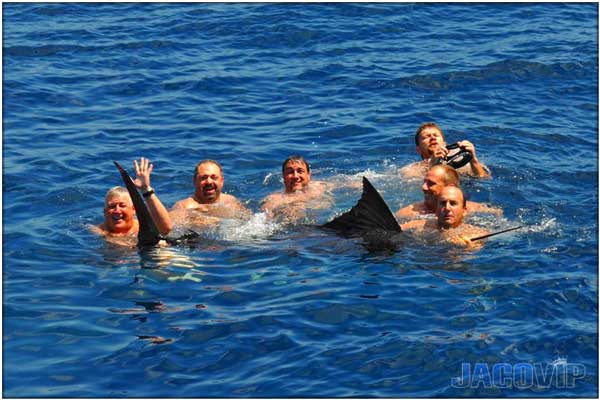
{"points": [[159, 214]]}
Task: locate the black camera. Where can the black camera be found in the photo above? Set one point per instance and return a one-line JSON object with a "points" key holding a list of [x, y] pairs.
{"points": [[457, 157]]}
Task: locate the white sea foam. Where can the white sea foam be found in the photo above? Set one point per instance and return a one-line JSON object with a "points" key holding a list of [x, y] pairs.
{"points": [[257, 227], [546, 225], [268, 178]]}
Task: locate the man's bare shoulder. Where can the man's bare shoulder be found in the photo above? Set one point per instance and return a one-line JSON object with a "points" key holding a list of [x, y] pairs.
{"points": [[272, 200], [274, 196], [238, 208], [232, 201], [186, 203], [229, 199], [473, 206], [414, 225], [415, 170], [410, 211], [122, 239], [98, 229]]}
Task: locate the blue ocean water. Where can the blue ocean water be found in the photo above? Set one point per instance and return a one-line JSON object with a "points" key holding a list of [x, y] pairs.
{"points": [[271, 311]]}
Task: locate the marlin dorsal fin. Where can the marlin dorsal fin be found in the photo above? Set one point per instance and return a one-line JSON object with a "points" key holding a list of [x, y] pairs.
{"points": [[371, 213]]}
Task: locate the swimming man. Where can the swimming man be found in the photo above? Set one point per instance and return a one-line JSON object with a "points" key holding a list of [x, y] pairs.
{"points": [[450, 214], [208, 204], [119, 212], [300, 192], [431, 146]]}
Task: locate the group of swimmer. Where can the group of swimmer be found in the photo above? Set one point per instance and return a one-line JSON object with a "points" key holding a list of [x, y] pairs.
{"points": [[443, 197]]}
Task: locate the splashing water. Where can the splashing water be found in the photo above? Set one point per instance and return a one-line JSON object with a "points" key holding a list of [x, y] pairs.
{"points": [[268, 178], [257, 227], [546, 225]]}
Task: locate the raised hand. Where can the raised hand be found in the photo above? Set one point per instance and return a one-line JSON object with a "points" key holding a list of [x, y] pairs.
{"points": [[142, 174]]}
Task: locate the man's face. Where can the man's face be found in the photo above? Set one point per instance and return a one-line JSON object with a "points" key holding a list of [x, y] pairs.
{"points": [[429, 139], [433, 183], [295, 176], [209, 183], [119, 214], [450, 207]]}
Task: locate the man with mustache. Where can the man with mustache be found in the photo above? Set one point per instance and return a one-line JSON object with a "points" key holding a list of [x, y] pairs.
{"points": [[434, 181], [208, 202], [451, 210], [431, 146]]}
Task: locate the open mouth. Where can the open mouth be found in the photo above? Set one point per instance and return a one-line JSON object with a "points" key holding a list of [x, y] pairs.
{"points": [[210, 189]]}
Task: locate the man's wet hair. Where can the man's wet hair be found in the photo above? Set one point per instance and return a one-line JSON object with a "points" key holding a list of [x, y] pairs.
{"points": [[426, 125], [207, 161], [295, 158], [116, 191], [450, 175]]}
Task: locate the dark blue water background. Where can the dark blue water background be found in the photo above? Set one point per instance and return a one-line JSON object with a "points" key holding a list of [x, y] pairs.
{"points": [[265, 311]]}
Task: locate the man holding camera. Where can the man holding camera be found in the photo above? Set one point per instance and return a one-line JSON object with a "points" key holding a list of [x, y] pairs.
{"points": [[433, 149]]}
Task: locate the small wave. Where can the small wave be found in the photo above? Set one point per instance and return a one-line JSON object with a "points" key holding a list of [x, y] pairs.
{"points": [[60, 48], [500, 72]]}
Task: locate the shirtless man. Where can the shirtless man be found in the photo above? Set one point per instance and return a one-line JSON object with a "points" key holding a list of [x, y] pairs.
{"points": [[208, 204], [431, 146], [300, 192], [451, 211], [435, 180], [120, 225]]}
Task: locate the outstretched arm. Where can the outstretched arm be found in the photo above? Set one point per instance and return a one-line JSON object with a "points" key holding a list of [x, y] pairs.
{"points": [[157, 210]]}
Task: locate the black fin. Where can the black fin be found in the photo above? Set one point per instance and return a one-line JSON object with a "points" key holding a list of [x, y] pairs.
{"points": [[371, 213], [148, 234]]}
